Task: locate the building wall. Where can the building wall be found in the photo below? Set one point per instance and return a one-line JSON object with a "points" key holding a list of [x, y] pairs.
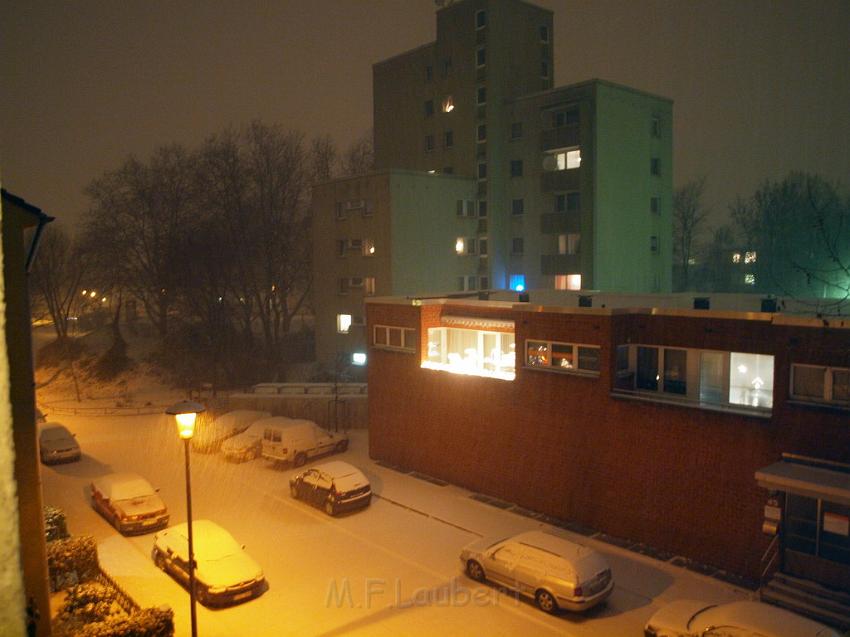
{"points": [[677, 478], [623, 185]]}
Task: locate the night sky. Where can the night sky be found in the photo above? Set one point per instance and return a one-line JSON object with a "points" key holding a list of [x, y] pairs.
{"points": [[760, 88]]}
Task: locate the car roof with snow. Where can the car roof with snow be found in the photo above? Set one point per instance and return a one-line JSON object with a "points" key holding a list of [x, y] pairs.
{"points": [[208, 538], [338, 469], [764, 618], [123, 486], [53, 431]]}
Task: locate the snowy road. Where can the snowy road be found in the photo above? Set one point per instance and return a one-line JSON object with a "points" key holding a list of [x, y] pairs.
{"points": [[390, 570]]}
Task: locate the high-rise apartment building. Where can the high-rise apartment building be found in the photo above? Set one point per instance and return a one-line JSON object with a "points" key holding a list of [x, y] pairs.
{"points": [[487, 177]]}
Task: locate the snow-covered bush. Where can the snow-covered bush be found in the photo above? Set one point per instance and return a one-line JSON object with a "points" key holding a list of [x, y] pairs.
{"points": [[71, 561], [148, 622], [55, 526], [92, 602]]}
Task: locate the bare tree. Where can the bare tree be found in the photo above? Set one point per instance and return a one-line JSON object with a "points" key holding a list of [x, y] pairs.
{"points": [[359, 157], [322, 159], [688, 219], [142, 210], [56, 277]]}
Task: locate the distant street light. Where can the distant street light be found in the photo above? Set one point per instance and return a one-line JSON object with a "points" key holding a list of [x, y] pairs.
{"points": [[185, 413]]}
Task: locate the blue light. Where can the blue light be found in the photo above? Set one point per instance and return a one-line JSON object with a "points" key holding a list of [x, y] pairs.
{"points": [[517, 282]]}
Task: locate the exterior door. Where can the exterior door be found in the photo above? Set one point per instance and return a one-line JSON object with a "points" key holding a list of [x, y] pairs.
{"points": [[816, 540]]}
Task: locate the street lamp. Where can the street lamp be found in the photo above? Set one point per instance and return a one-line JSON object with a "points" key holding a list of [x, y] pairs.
{"points": [[184, 413]]}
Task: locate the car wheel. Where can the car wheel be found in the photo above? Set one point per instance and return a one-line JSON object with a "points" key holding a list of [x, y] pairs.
{"points": [[330, 509], [475, 571], [545, 601], [293, 490], [341, 446], [300, 459]]}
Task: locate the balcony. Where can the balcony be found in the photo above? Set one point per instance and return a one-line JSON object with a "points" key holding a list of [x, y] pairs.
{"points": [[555, 180], [561, 137], [552, 264], [560, 222]]}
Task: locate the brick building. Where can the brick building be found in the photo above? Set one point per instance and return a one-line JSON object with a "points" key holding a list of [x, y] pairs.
{"points": [[670, 427]]}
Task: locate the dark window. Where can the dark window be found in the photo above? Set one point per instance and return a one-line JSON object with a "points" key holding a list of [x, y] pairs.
{"points": [[429, 73], [588, 358], [481, 57], [656, 127], [429, 142], [675, 371], [544, 69], [482, 171], [448, 139], [566, 118], [481, 95], [447, 66], [480, 19], [516, 130], [482, 132], [647, 368], [655, 205], [516, 245], [655, 166], [340, 247], [482, 247], [516, 168], [544, 33], [429, 108], [517, 206], [482, 207], [653, 244], [448, 170], [568, 202]]}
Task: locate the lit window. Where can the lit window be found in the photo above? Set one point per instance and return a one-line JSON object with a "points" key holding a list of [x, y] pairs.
{"points": [[562, 357], [517, 282], [343, 323], [358, 358], [569, 243], [448, 105], [368, 247], [573, 281], [566, 159], [736, 258], [465, 245], [460, 245], [749, 279], [369, 285], [750, 257], [751, 380], [470, 351]]}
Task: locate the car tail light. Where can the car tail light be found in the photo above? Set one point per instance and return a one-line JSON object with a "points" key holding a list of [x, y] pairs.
{"points": [[577, 591]]}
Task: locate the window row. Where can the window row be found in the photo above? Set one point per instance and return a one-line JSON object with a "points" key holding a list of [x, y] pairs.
{"points": [[344, 322], [448, 141], [706, 377], [365, 283], [471, 351], [821, 384], [562, 357], [466, 246], [365, 247], [471, 208], [362, 206], [562, 159], [568, 282], [397, 338], [471, 282]]}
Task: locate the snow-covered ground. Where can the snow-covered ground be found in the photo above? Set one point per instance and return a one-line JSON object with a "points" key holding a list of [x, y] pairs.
{"points": [[391, 569]]}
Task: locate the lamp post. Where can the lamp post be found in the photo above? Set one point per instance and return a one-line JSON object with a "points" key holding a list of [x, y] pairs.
{"points": [[184, 413]]}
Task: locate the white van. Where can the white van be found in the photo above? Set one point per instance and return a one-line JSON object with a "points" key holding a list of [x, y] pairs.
{"points": [[292, 440]]}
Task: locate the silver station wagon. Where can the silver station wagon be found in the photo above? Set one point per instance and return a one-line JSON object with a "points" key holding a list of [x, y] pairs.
{"points": [[554, 571]]}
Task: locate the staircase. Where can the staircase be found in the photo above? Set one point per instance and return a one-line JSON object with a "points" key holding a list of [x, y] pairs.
{"points": [[808, 598]]}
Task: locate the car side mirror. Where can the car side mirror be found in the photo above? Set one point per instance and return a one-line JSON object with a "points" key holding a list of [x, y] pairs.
{"points": [[243, 547], [156, 490]]}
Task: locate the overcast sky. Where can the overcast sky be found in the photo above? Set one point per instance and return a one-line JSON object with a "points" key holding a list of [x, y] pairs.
{"points": [[759, 88]]}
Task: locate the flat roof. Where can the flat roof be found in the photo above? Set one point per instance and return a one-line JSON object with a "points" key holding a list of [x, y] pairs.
{"points": [[590, 82], [805, 480]]}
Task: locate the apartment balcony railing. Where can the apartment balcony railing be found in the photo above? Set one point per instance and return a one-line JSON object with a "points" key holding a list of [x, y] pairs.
{"points": [[555, 180], [560, 222], [561, 137]]}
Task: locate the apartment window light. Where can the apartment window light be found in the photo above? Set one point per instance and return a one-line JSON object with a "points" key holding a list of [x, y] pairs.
{"points": [[343, 323], [568, 282], [448, 104], [358, 358], [369, 285], [569, 243], [736, 257], [480, 57], [476, 352], [750, 257], [368, 247], [749, 279], [480, 19], [563, 159], [517, 206]]}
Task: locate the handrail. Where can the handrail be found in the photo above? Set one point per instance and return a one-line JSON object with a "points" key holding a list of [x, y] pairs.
{"points": [[773, 551], [769, 548]]}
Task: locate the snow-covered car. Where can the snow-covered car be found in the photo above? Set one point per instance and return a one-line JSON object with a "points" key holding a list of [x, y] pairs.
{"points": [[210, 435], [245, 446], [334, 486], [57, 444], [224, 572], [554, 571], [692, 618], [294, 440], [129, 503]]}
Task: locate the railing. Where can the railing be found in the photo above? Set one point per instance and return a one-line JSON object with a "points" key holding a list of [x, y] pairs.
{"points": [[122, 597], [771, 554], [321, 389]]}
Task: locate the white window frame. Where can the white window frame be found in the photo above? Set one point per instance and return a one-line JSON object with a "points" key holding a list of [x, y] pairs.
{"points": [[549, 367], [828, 386], [407, 338]]}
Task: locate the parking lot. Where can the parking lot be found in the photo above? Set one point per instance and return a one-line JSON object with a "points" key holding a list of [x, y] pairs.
{"points": [[391, 569]]}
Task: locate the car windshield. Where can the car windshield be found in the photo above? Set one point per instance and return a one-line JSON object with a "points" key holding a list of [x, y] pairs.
{"points": [[131, 489], [55, 433], [215, 545]]}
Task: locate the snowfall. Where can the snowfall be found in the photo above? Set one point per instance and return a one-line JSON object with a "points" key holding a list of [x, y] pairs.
{"points": [[391, 569]]}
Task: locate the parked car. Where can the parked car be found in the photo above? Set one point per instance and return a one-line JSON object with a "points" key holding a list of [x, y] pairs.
{"points": [[554, 571], [129, 503], [57, 444], [692, 618], [210, 435], [224, 572], [291, 440], [245, 446], [334, 486]]}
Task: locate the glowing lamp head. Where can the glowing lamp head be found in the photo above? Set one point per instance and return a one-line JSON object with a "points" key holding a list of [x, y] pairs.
{"points": [[185, 413], [520, 287]]}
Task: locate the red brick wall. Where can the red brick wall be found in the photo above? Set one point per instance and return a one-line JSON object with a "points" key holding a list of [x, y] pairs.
{"points": [[677, 478]]}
